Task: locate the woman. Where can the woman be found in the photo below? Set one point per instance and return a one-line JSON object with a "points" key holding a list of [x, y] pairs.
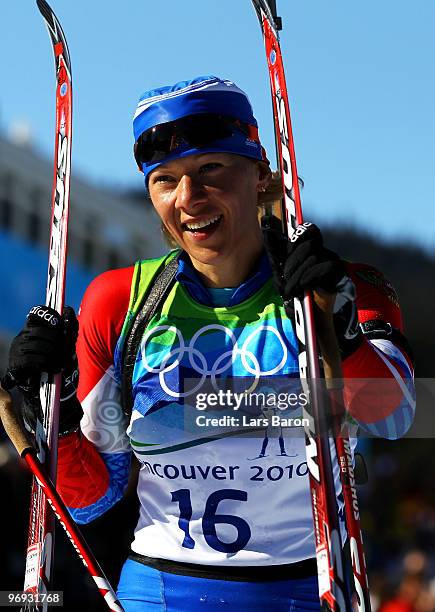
{"points": [[225, 516]]}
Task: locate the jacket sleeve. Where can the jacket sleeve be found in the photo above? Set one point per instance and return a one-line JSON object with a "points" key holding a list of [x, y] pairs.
{"points": [[94, 463], [379, 377]]}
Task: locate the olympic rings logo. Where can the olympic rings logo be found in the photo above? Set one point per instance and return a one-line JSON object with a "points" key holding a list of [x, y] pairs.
{"points": [[198, 361]]}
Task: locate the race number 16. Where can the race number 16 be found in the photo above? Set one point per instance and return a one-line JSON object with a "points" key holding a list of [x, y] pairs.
{"points": [[210, 519]]}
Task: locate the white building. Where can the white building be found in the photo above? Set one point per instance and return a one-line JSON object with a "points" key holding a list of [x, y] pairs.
{"points": [[106, 230]]}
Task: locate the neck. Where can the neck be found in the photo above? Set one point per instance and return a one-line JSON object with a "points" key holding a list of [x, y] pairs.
{"points": [[228, 273]]}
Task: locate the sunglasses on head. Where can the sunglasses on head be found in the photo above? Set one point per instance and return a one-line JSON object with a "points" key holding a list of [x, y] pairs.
{"points": [[195, 130]]}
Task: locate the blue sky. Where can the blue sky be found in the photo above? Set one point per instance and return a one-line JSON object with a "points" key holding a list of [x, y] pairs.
{"points": [[360, 79]]}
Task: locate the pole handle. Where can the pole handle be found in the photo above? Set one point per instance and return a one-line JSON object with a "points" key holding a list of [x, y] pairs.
{"points": [[12, 424]]}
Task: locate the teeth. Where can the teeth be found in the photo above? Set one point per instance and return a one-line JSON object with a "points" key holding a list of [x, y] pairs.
{"points": [[201, 224]]}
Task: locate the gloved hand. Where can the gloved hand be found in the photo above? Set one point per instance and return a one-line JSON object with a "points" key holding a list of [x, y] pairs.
{"points": [[46, 344], [303, 263]]}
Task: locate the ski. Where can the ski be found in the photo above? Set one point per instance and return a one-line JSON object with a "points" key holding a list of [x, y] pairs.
{"points": [[333, 592], [40, 547]]}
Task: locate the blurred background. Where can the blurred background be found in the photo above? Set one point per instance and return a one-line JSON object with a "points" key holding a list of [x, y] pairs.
{"points": [[362, 97]]}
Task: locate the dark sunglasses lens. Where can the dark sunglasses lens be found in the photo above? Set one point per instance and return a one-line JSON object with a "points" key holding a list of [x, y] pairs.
{"points": [[204, 129], [155, 144], [196, 130]]}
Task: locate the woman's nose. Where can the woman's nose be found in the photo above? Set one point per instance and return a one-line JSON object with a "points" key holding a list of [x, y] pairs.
{"points": [[190, 192]]}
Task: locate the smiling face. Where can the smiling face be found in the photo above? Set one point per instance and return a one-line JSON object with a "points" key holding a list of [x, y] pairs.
{"points": [[207, 202]]}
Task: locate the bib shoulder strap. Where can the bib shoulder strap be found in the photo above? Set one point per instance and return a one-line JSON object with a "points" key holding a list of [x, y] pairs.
{"points": [[158, 291]]}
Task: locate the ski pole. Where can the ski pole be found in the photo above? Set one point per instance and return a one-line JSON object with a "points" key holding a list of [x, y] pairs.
{"points": [[334, 382], [329, 554], [27, 451]]}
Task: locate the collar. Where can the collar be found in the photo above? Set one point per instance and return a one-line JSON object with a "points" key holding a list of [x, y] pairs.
{"points": [[187, 275]]}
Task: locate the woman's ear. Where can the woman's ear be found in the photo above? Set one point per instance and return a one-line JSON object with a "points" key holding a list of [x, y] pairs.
{"points": [[272, 191], [264, 176]]}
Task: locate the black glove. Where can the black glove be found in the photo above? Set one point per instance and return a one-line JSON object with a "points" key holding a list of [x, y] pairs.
{"points": [[303, 263], [46, 344]]}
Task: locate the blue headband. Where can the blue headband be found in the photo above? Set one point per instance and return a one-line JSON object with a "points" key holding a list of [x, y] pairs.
{"points": [[204, 94]]}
